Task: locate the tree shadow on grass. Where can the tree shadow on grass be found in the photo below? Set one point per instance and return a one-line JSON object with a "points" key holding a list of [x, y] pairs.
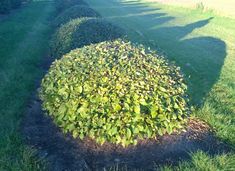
{"points": [[200, 57]]}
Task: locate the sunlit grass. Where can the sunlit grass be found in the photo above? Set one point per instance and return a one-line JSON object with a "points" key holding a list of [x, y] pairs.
{"points": [[221, 7], [202, 162]]}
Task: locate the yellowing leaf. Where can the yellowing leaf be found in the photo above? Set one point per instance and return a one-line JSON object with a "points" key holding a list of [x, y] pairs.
{"points": [[137, 109], [162, 89], [154, 111], [128, 133], [116, 107], [79, 89]]}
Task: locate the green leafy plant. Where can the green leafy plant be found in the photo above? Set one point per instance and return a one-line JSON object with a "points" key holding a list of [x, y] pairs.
{"points": [[74, 12], [80, 32], [115, 92], [62, 5]]}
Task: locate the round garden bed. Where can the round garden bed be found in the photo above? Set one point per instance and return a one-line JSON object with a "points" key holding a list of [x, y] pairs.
{"points": [[64, 152], [115, 92]]}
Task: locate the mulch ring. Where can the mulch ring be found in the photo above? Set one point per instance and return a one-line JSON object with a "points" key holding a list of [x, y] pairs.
{"points": [[65, 153]]}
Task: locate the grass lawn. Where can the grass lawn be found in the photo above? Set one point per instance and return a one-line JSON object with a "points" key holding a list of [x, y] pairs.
{"points": [[202, 44], [24, 38], [221, 7]]}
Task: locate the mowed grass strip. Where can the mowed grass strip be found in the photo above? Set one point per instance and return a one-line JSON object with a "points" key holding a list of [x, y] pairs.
{"points": [[202, 44], [225, 8], [23, 43]]}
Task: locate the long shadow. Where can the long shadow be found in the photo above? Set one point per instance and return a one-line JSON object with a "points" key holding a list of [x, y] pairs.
{"points": [[128, 16], [200, 58]]}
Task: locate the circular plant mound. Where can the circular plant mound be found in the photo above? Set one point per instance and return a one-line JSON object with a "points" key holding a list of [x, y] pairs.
{"points": [[80, 32], [62, 5], [115, 92], [74, 12]]}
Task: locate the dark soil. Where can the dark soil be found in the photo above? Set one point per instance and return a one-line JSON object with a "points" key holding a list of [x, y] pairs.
{"points": [[62, 152], [65, 153]]}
